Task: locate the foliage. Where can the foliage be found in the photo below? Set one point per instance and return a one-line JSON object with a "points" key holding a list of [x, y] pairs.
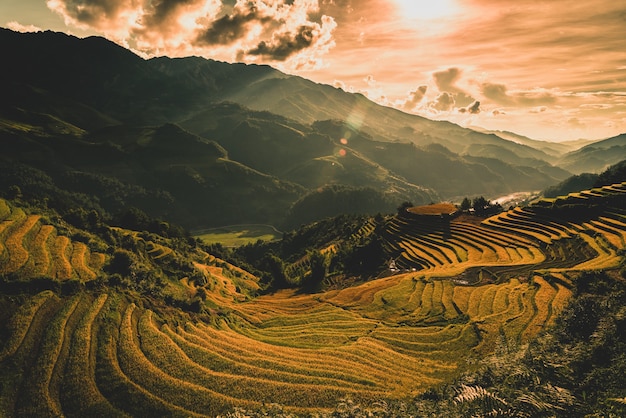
{"points": [[466, 204], [614, 174], [575, 183], [334, 200]]}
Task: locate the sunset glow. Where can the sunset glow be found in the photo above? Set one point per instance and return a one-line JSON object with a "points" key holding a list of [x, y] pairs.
{"points": [[549, 70], [426, 9]]}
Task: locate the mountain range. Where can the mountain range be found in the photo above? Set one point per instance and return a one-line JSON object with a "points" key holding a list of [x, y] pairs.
{"points": [[206, 143]]}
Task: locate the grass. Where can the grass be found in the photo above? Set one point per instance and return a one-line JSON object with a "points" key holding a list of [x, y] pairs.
{"points": [[237, 235]]}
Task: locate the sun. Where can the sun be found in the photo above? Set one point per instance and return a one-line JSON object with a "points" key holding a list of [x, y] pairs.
{"points": [[426, 9]]}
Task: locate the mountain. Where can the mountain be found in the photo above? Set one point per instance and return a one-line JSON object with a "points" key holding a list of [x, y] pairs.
{"points": [[614, 174], [595, 157], [258, 140], [554, 149]]}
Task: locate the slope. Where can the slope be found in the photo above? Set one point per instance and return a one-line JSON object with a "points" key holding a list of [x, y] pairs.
{"points": [[595, 157], [128, 341], [121, 87]]}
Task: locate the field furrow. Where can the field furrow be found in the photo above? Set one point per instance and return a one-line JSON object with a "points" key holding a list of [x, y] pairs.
{"points": [[34, 397], [543, 299], [79, 393], [39, 260], [78, 260], [168, 357], [20, 323], [124, 394], [14, 243], [61, 267]]}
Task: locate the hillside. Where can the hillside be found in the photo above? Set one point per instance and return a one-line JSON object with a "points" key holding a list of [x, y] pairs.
{"points": [[58, 85], [114, 322], [595, 157], [613, 174]]}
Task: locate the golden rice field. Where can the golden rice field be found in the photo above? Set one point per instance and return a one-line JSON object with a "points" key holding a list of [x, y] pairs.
{"points": [[462, 290], [29, 248]]}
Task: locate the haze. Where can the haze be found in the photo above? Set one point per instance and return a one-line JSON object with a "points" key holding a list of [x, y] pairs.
{"points": [[549, 70]]}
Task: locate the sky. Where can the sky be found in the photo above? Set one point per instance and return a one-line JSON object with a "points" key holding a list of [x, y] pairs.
{"points": [[551, 70]]}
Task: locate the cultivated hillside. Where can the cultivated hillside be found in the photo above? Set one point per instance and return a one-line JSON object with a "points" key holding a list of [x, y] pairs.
{"points": [[116, 322]]}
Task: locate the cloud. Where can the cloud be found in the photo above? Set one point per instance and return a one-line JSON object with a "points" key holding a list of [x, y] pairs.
{"points": [[114, 18], [443, 103], [286, 44], [446, 81], [415, 97], [18, 27], [339, 84], [575, 123], [500, 94], [370, 80], [473, 109], [274, 30], [229, 28]]}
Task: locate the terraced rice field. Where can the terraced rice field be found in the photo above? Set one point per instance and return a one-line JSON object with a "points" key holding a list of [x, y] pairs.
{"points": [[465, 288], [29, 248]]}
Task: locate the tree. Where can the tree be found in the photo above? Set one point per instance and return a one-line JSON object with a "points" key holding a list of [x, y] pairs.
{"points": [[466, 204], [14, 192], [404, 206], [480, 203], [121, 262], [319, 268], [274, 271]]}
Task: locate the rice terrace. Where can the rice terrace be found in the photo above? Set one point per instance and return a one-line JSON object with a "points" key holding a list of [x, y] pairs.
{"points": [[208, 343]]}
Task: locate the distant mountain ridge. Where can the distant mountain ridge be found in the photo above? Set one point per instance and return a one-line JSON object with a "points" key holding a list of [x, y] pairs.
{"points": [[595, 157], [292, 134]]}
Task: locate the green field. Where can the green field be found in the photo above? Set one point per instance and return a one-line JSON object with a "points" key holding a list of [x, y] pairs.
{"points": [[236, 235]]}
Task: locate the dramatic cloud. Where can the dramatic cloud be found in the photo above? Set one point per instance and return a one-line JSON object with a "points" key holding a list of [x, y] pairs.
{"points": [[273, 30], [114, 18], [230, 28], [552, 60], [284, 45]]}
